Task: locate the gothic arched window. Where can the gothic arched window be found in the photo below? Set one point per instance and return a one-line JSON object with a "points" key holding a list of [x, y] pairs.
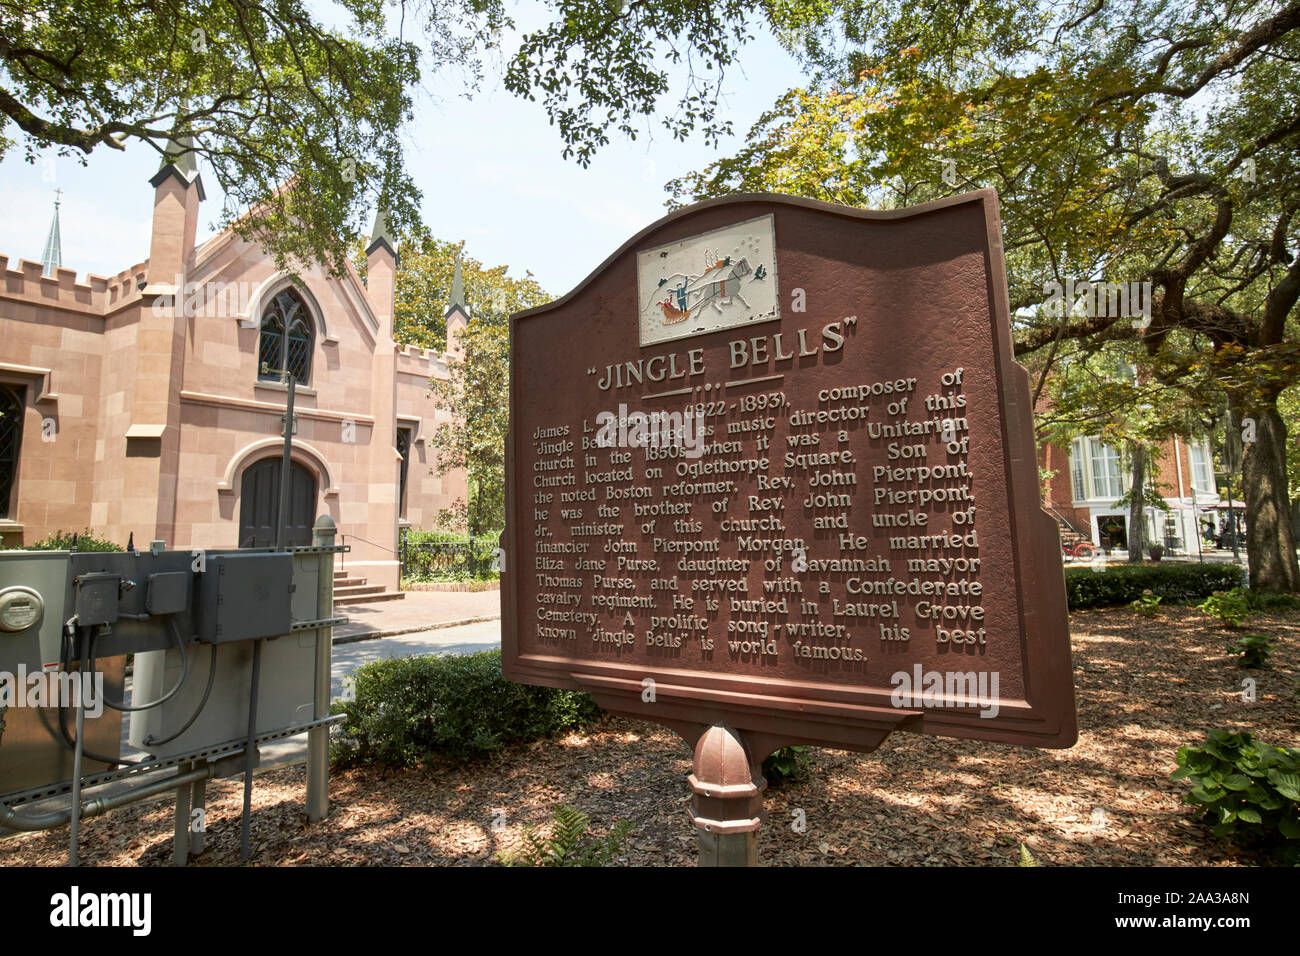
{"points": [[11, 438], [286, 341]]}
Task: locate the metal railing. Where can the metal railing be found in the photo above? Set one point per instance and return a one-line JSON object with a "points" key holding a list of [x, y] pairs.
{"points": [[432, 559]]}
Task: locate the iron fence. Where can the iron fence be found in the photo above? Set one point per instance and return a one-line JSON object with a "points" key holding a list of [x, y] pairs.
{"points": [[449, 559]]}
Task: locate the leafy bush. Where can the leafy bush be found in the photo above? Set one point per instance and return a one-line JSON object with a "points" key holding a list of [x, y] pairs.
{"points": [[787, 764], [1272, 601], [454, 707], [1122, 583], [568, 844], [1230, 607], [71, 541], [1250, 790], [1253, 650], [1148, 604]]}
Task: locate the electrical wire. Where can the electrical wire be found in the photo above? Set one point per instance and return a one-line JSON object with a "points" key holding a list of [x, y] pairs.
{"points": [[185, 672], [65, 664], [207, 691]]}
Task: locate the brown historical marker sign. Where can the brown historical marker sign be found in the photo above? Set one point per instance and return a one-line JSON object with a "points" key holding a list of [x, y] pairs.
{"points": [[772, 467]]}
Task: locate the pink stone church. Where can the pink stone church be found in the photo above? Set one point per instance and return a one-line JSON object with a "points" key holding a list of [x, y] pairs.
{"points": [[133, 406]]}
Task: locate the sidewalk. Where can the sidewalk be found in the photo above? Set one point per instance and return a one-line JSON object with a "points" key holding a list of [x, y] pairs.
{"points": [[418, 611]]}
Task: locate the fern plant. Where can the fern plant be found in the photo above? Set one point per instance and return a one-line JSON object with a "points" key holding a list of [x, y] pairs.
{"points": [[787, 764], [568, 844]]}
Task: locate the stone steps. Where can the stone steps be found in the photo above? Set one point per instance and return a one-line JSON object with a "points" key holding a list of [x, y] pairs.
{"points": [[350, 590], [367, 598]]}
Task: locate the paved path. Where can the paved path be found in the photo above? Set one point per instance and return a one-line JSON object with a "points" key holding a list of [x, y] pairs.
{"points": [[465, 639], [418, 611]]}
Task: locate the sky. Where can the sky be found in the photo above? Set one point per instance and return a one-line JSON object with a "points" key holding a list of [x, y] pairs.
{"points": [[490, 170]]}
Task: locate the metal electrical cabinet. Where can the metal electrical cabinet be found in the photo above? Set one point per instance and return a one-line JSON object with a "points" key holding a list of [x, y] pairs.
{"points": [[33, 751], [195, 622], [245, 596], [285, 695]]}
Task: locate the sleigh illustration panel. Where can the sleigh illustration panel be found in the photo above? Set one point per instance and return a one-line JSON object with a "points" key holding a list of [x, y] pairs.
{"points": [[716, 280]]}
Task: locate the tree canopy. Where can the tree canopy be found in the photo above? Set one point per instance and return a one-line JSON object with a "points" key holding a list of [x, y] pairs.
{"points": [[276, 92], [1145, 142], [476, 393]]}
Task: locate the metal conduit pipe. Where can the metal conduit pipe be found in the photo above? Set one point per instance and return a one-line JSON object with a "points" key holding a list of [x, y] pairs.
{"points": [[12, 820]]}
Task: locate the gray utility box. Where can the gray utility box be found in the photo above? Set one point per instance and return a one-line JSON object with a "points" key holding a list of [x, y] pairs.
{"points": [[245, 596], [32, 751], [286, 692]]}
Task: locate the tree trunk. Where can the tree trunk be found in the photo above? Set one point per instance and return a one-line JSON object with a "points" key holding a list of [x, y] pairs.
{"points": [[1137, 524], [1270, 538]]}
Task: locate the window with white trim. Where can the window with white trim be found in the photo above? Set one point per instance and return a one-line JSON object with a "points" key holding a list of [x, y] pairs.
{"points": [[1077, 485], [1107, 481], [287, 338], [1095, 471], [11, 440], [1202, 467]]}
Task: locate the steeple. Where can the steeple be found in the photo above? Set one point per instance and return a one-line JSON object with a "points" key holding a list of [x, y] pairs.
{"points": [[381, 234], [457, 313], [52, 258], [178, 160], [458, 285]]}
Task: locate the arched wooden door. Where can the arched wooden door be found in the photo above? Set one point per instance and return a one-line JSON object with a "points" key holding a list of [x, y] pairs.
{"points": [[259, 504]]}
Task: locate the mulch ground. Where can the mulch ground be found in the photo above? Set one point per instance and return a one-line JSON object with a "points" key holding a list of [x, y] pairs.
{"points": [[1145, 687]]}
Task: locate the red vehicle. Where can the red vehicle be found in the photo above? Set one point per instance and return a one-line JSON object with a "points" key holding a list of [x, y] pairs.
{"points": [[1079, 549]]}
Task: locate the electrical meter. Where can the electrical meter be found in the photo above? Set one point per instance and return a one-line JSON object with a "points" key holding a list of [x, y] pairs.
{"points": [[20, 608]]}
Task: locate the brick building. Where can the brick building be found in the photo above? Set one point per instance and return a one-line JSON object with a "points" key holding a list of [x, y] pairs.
{"points": [[138, 403], [1089, 477]]}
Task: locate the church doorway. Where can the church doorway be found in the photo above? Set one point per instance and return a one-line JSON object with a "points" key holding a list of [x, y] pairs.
{"points": [[259, 504]]}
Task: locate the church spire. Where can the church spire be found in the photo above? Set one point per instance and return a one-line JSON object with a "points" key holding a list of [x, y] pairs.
{"points": [[179, 160], [458, 285], [457, 315], [381, 234], [52, 258]]}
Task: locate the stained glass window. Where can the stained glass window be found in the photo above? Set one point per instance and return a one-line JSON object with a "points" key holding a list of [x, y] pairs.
{"points": [[11, 438], [286, 337]]}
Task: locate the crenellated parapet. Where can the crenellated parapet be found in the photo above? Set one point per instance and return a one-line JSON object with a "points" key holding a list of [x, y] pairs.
{"points": [[428, 363], [98, 295]]}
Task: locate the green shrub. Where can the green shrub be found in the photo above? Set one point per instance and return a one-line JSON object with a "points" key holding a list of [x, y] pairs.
{"points": [[787, 764], [454, 707], [1250, 791], [1272, 601], [1252, 649], [1230, 607], [1122, 584], [71, 541], [568, 844]]}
